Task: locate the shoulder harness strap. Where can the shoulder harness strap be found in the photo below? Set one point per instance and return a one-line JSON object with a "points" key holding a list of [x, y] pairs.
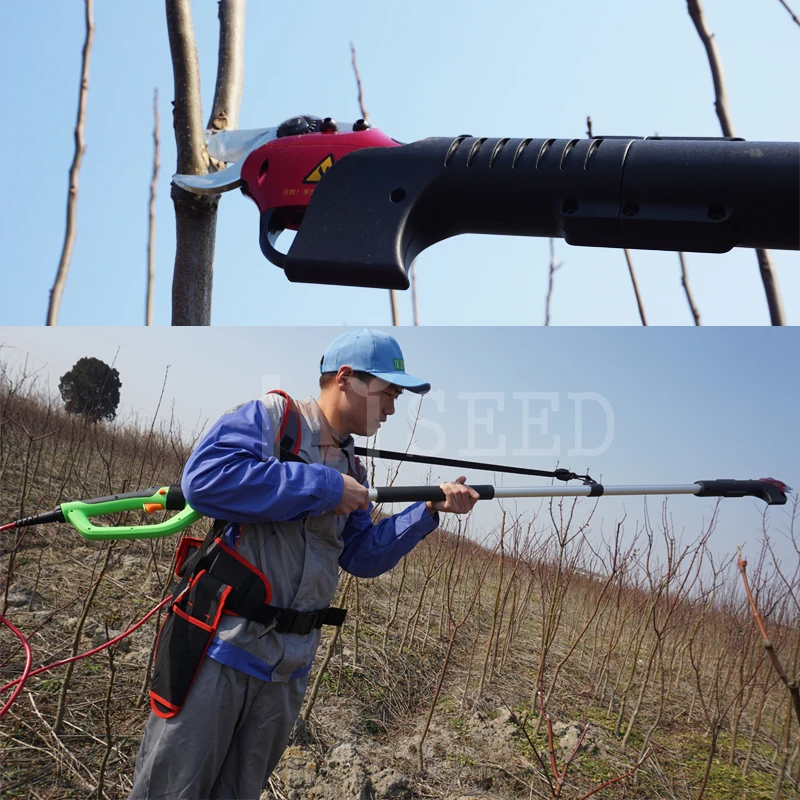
{"points": [[289, 436]]}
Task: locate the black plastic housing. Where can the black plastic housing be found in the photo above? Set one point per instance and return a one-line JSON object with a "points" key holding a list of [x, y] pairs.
{"points": [[411, 494], [765, 490], [376, 209]]}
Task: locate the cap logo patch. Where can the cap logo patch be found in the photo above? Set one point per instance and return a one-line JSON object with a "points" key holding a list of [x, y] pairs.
{"points": [[399, 364]]}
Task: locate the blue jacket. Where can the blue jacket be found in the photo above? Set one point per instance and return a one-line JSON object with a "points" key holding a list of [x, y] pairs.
{"points": [[282, 522]]}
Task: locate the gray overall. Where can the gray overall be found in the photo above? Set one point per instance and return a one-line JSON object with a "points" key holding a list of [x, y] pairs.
{"points": [[233, 728]]}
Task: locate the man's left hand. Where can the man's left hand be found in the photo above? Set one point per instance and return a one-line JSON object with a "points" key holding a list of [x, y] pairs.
{"points": [[459, 498]]}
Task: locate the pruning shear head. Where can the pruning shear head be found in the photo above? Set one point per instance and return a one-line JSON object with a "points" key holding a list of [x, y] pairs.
{"points": [[279, 167]]}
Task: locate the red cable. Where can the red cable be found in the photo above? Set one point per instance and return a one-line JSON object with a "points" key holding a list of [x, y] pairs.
{"points": [[9, 526], [27, 674]]}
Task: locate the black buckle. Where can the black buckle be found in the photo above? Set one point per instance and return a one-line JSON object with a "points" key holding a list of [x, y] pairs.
{"points": [[270, 626]]}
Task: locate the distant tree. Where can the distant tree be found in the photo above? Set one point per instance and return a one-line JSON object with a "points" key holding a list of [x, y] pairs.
{"points": [[91, 389]]}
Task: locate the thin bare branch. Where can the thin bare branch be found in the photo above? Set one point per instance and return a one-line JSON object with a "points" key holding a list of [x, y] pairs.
{"points": [[791, 13], [76, 767], [553, 268], [768, 277], [314, 691], [413, 273], [715, 63], [619, 777], [522, 727], [627, 258], [685, 284], [365, 117], [791, 685], [72, 196], [635, 286], [151, 235], [112, 669], [364, 114], [76, 640], [771, 288]]}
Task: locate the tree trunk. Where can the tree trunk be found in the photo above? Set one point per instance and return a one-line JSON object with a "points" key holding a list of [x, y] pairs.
{"points": [[195, 215]]}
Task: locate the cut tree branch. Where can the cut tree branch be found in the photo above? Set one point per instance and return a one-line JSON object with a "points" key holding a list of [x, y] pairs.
{"points": [[768, 277], [72, 196], [187, 114], [230, 69]]}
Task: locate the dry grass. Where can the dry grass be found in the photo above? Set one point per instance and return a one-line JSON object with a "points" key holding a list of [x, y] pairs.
{"points": [[490, 643]]}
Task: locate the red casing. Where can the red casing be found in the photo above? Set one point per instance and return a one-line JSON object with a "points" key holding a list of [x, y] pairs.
{"points": [[284, 173]]}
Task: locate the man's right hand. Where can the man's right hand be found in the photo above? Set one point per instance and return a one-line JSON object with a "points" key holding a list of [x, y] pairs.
{"points": [[354, 496]]}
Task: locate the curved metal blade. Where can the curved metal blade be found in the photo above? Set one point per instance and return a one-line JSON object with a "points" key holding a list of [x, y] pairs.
{"points": [[231, 146], [227, 146], [214, 182]]}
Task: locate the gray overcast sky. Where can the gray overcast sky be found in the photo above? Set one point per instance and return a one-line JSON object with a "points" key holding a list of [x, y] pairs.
{"points": [[666, 405]]}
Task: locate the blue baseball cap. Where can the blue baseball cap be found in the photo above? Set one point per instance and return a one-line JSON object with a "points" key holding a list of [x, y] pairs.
{"points": [[375, 352]]}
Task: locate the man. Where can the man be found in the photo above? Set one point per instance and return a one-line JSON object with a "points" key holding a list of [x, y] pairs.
{"points": [[283, 477]]}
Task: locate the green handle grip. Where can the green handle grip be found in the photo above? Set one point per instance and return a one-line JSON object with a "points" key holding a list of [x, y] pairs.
{"points": [[78, 513]]}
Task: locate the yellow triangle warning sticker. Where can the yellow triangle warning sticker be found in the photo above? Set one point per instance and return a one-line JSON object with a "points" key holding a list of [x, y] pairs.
{"points": [[315, 176]]}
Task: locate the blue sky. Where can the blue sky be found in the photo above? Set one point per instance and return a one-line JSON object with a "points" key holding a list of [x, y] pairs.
{"points": [[513, 69], [685, 405]]}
